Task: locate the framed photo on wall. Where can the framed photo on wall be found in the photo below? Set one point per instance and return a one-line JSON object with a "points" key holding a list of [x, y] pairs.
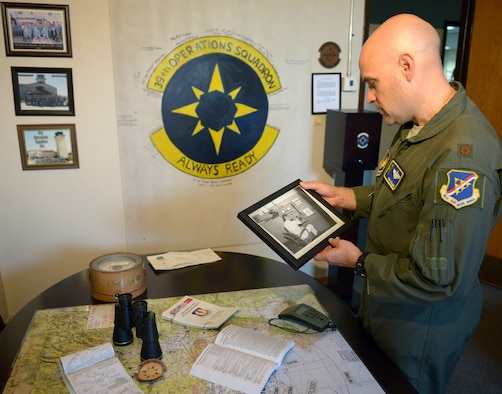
{"points": [[36, 29], [326, 92], [43, 91], [294, 222], [48, 147]]}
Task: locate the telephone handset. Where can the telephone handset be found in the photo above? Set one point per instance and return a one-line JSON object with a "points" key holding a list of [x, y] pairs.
{"points": [[307, 316]]}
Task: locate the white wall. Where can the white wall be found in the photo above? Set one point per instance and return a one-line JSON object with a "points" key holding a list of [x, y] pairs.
{"points": [[54, 222]]}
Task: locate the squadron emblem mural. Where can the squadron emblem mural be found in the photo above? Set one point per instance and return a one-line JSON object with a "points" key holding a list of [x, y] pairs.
{"points": [[214, 106]]}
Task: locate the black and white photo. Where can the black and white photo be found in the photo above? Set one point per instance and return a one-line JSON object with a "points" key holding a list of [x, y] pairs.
{"points": [[294, 222]]}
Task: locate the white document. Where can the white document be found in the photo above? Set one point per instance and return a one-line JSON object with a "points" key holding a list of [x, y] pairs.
{"points": [[175, 260], [241, 359]]}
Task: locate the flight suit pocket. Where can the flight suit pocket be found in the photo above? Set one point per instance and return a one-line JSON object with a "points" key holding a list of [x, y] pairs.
{"points": [[433, 253]]}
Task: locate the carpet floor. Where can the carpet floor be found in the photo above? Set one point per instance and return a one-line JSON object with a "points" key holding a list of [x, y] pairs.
{"points": [[479, 370]]}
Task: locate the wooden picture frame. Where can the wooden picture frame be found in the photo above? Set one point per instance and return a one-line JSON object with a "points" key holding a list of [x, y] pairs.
{"points": [[48, 147], [36, 29], [42, 91], [295, 223]]}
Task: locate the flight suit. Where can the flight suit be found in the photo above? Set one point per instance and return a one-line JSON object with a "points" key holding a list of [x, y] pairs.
{"points": [[436, 197]]}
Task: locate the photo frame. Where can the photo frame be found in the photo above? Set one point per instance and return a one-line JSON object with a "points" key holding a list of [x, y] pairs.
{"points": [[43, 91], [36, 29], [295, 223], [326, 92], [48, 147]]}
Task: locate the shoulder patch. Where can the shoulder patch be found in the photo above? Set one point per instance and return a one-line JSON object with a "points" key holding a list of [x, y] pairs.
{"points": [[458, 188], [394, 175]]}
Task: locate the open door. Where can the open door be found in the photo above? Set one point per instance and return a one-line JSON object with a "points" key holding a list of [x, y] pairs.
{"points": [[484, 79]]}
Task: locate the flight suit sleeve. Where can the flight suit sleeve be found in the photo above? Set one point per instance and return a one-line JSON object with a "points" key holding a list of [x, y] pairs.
{"points": [[364, 198]]}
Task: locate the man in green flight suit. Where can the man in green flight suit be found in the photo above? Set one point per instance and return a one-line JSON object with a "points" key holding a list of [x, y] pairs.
{"points": [[436, 197]]}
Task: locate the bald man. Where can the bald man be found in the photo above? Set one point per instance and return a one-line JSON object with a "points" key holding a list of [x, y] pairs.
{"points": [[436, 197]]}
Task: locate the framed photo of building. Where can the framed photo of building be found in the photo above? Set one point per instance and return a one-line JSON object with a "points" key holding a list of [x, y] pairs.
{"points": [[36, 29], [294, 222], [48, 147], [43, 91]]}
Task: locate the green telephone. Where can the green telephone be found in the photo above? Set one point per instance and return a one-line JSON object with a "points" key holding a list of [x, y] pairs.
{"points": [[307, 316]]}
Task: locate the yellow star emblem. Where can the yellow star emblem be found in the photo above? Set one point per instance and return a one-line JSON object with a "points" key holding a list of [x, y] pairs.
{"points": [[215, 109]]}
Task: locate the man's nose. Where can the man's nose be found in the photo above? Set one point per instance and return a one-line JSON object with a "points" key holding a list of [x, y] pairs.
{"points": [[370, 97]]}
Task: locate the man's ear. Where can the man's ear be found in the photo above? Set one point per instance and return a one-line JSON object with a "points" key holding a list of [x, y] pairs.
{"points": [[407, 65]]}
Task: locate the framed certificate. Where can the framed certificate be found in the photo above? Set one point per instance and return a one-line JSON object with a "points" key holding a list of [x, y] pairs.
{"points": [[294, 222], [326, 92]]}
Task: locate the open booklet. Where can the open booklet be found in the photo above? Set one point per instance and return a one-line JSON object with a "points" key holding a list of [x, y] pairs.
{"points": [[241, 359], [197, 313], [96, 370]]}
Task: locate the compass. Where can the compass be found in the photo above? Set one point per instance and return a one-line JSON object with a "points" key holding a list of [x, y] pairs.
{"points": [[117, 273]]}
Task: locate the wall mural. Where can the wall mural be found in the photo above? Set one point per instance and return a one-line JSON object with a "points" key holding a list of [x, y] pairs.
{"points": [[213, 113], [214, 106]]}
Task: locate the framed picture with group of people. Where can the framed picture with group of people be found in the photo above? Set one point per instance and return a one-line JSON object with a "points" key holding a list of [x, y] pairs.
{"points": [[36, 29], [43, 91]]}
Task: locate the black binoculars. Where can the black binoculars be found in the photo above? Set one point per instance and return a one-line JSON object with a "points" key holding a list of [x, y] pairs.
{"points": [[129, 314]]}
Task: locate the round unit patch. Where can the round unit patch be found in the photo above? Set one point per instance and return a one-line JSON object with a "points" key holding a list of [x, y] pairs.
{"points": [[214, 107]]}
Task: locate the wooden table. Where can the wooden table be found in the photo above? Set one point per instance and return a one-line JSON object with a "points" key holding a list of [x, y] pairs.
{"points": [[234, 272]]}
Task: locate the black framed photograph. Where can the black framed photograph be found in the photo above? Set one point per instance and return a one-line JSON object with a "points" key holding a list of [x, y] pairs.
{"points": [[326, 92], [36, 29], [48, 147], [295, 223], [43, 91]]}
